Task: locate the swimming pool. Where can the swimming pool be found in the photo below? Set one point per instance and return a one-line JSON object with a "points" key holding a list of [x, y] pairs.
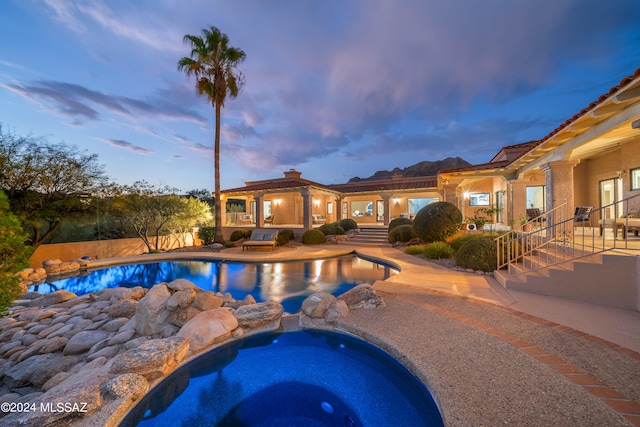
{"points": [[288, 283], [310, 378]]}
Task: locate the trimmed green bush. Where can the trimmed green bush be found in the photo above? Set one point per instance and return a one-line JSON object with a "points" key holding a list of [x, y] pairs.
{"points": [[331, 229], [238, 234], [438, 250], [437, 221], [414, 249], [284, 236], [401, 233], [399, 221], [461, 240], [348, 224], [229, 244], [313, 237], [478, 254], [207, 235]]}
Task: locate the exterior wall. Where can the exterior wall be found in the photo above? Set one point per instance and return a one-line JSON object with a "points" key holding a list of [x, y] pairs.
{"points": [[101, 249], [286, 207], [486, 185]]}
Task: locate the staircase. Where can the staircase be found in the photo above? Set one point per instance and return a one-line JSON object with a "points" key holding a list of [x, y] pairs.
{"points": [[564, 260], [604, 278], [371, 237]]}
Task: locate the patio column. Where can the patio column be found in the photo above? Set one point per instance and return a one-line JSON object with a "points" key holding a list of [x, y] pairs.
{"points": [[338, 207], [559, 181], [259, 217], [450, 194], [387, 207], [518, 192], [306, 209]]}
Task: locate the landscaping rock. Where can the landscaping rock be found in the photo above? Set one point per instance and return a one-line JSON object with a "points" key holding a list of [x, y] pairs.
{"points": [[152, 359], [362, 296], [151, 313], [126, 385], [263, 316], [336, 310], [207, 328], [316, 304], [83, 341]]}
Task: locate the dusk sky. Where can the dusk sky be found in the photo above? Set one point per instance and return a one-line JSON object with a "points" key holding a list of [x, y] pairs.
{"points": [[334, 89]]}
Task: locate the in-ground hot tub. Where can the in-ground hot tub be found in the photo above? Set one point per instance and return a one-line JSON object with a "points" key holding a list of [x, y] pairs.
{"points": [[306, 378]]}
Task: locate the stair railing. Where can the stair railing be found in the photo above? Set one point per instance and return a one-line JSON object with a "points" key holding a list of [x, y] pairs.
{"points": [[561, 241]]}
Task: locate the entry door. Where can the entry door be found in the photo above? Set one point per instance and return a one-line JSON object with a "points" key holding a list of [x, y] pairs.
{"points": [[379, 211], [610, 193]]}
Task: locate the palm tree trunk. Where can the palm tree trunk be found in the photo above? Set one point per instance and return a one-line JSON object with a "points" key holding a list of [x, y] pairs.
{"points": [[218, 237]]}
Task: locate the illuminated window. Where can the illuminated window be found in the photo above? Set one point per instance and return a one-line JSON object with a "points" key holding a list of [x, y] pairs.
{"points": [[635, 179], [479, 199]]}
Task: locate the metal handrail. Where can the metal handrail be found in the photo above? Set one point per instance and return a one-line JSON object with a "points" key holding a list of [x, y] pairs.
{"points": [[559, 243]]}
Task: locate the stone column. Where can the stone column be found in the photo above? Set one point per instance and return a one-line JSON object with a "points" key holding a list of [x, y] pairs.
{"points": [[306, 209], [386, 197], [338, 201], [259, 217], [559, 182], [450, 194], [517, 200]]}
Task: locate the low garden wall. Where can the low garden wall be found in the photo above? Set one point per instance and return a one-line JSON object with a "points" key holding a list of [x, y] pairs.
{"points": [[103, 248]]}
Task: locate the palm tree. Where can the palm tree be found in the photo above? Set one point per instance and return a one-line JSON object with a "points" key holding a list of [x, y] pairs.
{"points": [[213, 63]]}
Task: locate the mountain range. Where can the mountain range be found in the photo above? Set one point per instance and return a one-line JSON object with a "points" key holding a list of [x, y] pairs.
{"points": [[425, 168]]}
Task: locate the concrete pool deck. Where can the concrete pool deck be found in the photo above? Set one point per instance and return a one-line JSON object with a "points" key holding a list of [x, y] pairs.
{"points": [[489, 356]]}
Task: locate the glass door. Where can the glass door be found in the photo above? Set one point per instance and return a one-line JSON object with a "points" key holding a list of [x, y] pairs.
{"points": [[610, 194], [379, 211]]}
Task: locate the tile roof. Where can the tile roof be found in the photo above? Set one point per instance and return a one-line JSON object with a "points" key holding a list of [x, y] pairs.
{"points": [[276, 184], [386, 184]]}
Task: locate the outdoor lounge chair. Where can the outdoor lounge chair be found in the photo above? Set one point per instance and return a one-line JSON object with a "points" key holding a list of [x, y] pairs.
{"points": [[582, 215], [318, 219], [269, 220], [261, 238], [624, 224]]}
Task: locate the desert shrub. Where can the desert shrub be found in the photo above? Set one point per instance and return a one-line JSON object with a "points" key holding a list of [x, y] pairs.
{"points": [[414, 249], [401, 233], [348, 224], [438, 250], [478, 254], [331, 229], [284, 236], [399, 221], [14, 255], [313, 237], [207, 234], [461, 240], [238, 234], [229, 244], [437, 221]]}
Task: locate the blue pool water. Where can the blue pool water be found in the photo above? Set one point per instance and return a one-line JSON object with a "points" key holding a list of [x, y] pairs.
{"points": [[286, 282], [304, 378]]}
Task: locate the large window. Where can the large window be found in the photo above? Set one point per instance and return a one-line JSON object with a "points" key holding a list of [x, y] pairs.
{"points": [[416, 204], [362, 208], [635, 179], [535, 197], [480, 199]]}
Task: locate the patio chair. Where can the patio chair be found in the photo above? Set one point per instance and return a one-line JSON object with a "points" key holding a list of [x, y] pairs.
{"points": [[534, 215], [269, 220], [582, 215]]}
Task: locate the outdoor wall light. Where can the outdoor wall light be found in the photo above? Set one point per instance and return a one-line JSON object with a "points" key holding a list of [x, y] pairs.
{"points": [[277, 202], [396, 201], [466, 194]]}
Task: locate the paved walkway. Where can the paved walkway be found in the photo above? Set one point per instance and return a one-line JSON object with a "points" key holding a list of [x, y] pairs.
{"points": [[492, 356]]}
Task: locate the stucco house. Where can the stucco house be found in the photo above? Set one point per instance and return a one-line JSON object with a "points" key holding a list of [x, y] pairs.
{"points": [[294, 202]]}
